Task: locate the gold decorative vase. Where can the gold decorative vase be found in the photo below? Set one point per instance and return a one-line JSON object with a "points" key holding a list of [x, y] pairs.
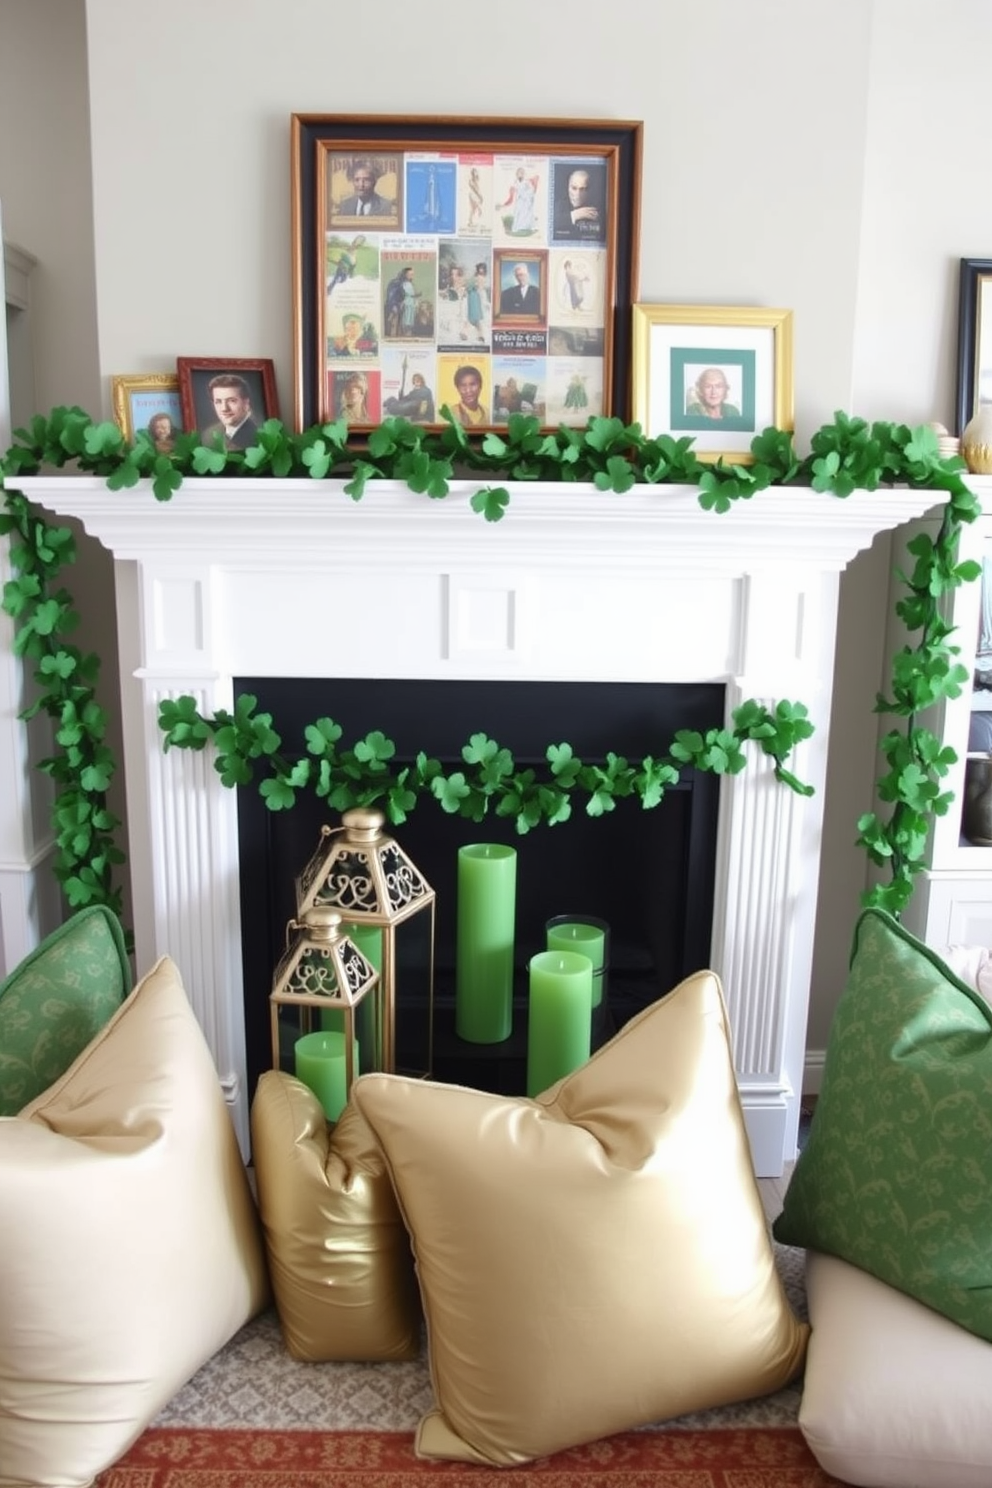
{"points": [[976, 441]]}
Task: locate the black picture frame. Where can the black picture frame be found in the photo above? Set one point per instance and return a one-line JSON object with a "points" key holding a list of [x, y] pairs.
{"points": [[974, 335], [408, 159]]}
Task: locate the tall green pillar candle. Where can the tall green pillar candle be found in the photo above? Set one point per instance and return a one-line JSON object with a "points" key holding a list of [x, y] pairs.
{"points": [[321, 1063], [486, 919], [586, 939], [368, 940], [559, 1019], [366, 1033]]}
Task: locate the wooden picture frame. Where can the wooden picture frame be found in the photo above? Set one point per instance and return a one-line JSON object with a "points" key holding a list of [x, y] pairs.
{"points": [[974, 338], [250, 385], [406, 295], [691, 360], [148, 402]]}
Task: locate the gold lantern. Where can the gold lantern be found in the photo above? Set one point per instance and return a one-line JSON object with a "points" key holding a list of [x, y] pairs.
{"points": [[322, 968], [368, 878]]}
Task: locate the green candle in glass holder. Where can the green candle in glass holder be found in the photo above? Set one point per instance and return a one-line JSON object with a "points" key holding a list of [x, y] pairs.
{"points": [[586, 936]]}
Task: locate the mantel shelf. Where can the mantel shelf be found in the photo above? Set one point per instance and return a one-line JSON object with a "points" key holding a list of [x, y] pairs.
{"points": [[306, 522]]}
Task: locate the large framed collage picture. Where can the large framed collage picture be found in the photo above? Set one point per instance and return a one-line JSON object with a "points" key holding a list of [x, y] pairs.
{"points": [[486, 265]]}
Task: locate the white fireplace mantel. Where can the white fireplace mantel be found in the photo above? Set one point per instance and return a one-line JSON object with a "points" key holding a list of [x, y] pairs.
{"points": [[237, 578]]}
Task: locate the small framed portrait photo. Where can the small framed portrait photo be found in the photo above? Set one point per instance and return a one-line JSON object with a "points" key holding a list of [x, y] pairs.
{"points": [[227, 398], [719, 374], [521, 284], [147, 403]]}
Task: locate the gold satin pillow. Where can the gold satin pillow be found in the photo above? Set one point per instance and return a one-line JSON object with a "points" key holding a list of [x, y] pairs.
{"points": [[130, 1247], [339, 1253], [595, 1259]]}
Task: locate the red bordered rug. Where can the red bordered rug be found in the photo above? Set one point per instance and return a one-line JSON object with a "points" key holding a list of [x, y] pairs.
{"points": [[172, 1457]]}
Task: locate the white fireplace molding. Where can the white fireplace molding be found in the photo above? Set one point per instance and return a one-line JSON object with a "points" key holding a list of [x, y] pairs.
{"points": [[236, 578]]}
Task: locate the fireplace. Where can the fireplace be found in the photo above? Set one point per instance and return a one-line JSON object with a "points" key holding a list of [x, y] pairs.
{"points": [[650, 875], [264, 578]]}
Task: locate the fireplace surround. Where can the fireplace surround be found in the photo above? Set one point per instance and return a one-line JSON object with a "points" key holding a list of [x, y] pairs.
{"points": [[238, 578]]}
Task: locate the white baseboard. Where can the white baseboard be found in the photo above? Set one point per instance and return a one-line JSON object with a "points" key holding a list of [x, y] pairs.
{"points": [[813, 1071]]}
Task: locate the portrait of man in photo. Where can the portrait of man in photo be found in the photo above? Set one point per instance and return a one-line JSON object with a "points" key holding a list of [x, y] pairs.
{"points": [[231, 404], [364, 195], [522, 295], [579, 202]]}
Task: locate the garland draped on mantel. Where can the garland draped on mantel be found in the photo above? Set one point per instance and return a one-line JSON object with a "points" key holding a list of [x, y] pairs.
{"points": [[846, 456]]}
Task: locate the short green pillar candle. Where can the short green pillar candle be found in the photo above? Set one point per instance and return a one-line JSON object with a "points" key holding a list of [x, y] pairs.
{"points": [[486, 921], [559, 1026], [322, 1064]]}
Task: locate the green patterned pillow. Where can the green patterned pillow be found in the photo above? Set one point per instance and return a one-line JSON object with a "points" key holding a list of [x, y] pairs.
{"points": [[56, 1000], [897, 1174]]}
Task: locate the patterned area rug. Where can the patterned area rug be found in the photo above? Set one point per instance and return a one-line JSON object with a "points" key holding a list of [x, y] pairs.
{"points": [[254, 1383], [177, 1458]]}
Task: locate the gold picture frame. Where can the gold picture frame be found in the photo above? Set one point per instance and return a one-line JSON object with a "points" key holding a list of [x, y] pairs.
{"points": [[142, 400], [720, 374]]}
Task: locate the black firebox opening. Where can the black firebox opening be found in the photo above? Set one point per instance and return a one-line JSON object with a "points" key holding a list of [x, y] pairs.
{"points": [[649, 874]]}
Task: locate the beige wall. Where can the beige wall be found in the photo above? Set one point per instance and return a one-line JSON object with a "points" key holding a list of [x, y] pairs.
{"points": [[738, 154], [807, 153], [46, 188], [47, 195]]}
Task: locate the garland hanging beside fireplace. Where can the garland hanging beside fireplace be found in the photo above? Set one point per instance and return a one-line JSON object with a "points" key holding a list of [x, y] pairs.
{"points": [[846, 456]]}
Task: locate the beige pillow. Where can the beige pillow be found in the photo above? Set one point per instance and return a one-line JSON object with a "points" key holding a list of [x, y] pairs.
{"points": [[339, 1253], [130, 1248], [895, 1394], [598, 1258]]}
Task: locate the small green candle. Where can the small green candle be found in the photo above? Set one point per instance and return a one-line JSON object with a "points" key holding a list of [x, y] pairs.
{"points": [[559, 1027], [486, 920], [586, 939], [321, 1063]]}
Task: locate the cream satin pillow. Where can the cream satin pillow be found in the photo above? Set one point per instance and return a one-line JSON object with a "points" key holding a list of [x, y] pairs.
{"points": [[339, 1253], [895, 1395], [596, 1259], [130, 1248]]}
